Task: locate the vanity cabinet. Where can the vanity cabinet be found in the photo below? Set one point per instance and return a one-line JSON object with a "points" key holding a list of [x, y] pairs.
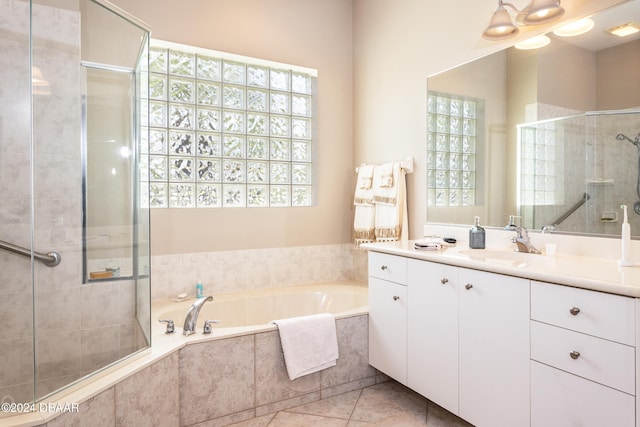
{"points": [[499, 350], [432, 301], [582, 357], [468, 342], [388, 315], [493, 349]]}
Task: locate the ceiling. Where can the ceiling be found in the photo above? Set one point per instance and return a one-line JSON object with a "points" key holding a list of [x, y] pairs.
{"points": [[598, 38]]}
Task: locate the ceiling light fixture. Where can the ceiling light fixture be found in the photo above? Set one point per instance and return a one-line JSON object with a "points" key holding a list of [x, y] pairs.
{"points": [[537, 13], [533, 43], [624, 29], [575, 28]]}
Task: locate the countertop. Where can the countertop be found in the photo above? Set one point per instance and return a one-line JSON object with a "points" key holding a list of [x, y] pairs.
{"points": [[578, 271]]}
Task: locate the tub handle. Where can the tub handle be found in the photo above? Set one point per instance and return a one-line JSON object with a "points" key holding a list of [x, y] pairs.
{"points": [[171, 327], [207, 329]]}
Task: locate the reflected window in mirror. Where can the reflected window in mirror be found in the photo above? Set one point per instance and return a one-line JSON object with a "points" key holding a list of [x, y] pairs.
{"points": [[452, 141], [542, 179]]}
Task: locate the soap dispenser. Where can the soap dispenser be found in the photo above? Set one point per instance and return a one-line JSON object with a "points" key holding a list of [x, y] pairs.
{"points": [[476, 235], [625, 257]]}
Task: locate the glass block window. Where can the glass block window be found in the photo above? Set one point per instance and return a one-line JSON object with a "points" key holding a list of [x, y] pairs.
{"points": [[541, 180], [452, 133], [228, 131]]}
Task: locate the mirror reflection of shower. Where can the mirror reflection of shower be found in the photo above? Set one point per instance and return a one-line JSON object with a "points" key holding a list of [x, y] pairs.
{"points": [[636, 142], [576, 171]]}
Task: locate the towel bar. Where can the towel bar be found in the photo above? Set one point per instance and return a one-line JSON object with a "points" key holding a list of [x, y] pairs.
{"points": [[406, 164]]}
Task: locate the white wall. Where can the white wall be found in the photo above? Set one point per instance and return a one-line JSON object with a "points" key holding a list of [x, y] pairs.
{"points": [[309, 33], [373, 58]]}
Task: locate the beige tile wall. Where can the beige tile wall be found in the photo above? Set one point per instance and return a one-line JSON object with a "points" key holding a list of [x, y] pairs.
{"points": [[233, 271]]}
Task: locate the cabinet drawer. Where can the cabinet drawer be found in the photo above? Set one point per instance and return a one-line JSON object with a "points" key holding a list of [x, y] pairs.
{"points": [[388, 267], [595, 313], [560, 399], [599, 360]]}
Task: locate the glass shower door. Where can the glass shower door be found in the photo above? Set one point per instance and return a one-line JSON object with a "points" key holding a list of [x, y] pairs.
{"points": [[58, 325], [16, 224]]}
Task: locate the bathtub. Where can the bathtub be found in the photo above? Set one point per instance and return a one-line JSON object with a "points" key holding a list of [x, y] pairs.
{"points": [[252, 311], [241, 314]]}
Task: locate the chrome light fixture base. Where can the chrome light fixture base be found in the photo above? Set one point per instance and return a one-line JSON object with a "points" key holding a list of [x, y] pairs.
{"points": [[538, 12]]}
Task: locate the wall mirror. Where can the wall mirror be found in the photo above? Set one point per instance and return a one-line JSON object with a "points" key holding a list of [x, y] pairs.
{"points": [[549, 134]]}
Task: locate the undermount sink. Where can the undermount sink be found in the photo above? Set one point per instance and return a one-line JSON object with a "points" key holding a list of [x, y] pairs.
{"points": [[496, 256]]}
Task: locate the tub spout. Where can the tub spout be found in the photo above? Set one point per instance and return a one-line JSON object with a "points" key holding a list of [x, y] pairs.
{"points": [[189, 326]]}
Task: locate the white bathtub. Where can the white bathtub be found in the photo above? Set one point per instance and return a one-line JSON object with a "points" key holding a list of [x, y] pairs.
{"points": [[240, 313], [251, 311]]}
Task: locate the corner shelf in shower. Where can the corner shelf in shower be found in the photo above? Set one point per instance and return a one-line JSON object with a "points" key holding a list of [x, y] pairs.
{"points": [[600, 181]]}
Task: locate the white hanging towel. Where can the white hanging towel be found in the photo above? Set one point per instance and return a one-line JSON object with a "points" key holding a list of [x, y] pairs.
{"points": [[309, 343], [389, 196], [364, 216]]}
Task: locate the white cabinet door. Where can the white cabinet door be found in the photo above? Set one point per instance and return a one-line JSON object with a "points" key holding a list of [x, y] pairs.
{"points": [[388, 328], [432, 312], [561, 399], [494, 349]]}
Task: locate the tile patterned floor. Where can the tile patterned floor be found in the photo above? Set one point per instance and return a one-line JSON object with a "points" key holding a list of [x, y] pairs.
{"points": [[383, 405]]}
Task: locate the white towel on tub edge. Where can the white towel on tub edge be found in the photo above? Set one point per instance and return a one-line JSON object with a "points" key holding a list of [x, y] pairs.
{"points": [[309, 343]]}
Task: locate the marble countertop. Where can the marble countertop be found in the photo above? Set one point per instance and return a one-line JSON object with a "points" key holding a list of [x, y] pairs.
{"points": [[578, 271]]}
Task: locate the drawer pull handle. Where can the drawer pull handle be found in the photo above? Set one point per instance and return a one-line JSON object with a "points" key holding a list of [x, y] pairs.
{"points": [[574, 354], [574, 311], [396, 297], [444, 280], [384, 267], [468, 286]]}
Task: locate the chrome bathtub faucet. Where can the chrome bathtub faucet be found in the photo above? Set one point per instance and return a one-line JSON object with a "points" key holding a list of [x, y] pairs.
{"points": [[207, 329], [192, 315], [171, 327]]}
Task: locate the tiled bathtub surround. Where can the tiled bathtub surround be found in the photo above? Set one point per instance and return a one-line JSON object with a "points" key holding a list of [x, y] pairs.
{"points": [[232, 271], [226, 381]]}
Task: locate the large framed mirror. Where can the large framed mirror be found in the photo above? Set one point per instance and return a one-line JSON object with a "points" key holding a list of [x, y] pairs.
{"points": [[551, 135]]}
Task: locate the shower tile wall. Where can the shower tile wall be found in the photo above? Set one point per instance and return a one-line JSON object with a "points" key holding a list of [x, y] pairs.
{"points": [[609, 174], [231, 271], [78, 328], [614, 172]]}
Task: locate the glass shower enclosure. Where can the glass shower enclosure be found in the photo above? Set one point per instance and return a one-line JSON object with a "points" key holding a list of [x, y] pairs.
{"points": [[576, 171], [73, 181]]}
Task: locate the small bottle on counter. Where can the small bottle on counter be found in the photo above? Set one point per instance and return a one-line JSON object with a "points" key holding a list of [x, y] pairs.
{"points": [[476, 235], [199, 290]]}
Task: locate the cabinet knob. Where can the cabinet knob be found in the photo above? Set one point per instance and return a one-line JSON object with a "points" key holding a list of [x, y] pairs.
{"points": [[574, 311], [444, 280], [384, 267], [396, 297], [468, 286], [574, 354]]}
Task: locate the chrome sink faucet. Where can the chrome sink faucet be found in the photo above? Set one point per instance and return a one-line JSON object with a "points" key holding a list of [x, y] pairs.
{"points": [[523, 244], [189, 326]]}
